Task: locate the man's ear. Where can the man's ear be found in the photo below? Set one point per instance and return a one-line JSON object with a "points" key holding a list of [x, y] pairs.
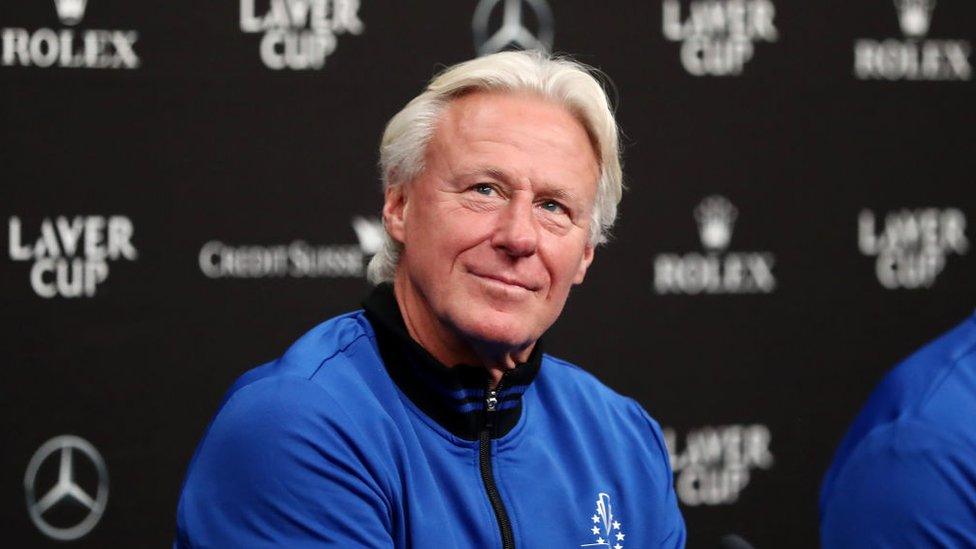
{"points": [[588, 252], [394, 211]]}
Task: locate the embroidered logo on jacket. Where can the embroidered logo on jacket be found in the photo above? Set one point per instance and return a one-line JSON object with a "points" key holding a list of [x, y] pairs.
{"points": [[606, 528]]}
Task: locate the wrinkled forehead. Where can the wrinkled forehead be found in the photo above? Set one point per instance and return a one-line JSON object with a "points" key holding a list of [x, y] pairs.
{"points": [[466, 108], [519, 143], [521, 125]]}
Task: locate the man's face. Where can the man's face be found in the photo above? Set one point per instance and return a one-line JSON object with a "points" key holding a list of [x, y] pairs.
{"points": [[495, 230]]}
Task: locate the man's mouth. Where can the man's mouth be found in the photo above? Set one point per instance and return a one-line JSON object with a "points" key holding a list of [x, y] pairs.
{"points": [[507, 280]]}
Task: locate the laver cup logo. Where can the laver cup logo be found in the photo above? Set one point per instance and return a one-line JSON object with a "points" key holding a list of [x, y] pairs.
{"points": [[911, 246], [299, 34], [714, 271], [69, 48], [71, 255], [66, 486], [718, 36], [914, 57], [714, 464]]}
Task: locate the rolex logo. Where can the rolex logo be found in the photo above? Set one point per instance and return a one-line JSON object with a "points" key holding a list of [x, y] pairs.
{"points": [[914, 16], [67, 47], [717, 271], [914, 57], [70, 12], [716, 217]]}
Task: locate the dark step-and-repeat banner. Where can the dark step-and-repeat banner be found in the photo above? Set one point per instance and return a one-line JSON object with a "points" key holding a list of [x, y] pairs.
{"points": [[189, 186]]}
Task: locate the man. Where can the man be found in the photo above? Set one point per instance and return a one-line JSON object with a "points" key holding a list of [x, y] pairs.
{"points": [[905, 474], [432, 418]]}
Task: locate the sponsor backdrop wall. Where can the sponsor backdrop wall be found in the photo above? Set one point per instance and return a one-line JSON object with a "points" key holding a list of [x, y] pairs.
{"points": [[189, 186]]}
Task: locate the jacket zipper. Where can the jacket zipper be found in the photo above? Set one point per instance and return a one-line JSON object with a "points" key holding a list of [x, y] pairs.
{"points": [[484, 463]]}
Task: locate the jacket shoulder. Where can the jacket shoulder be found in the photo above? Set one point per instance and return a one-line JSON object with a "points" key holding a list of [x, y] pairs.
{"points": [[574, 380], [928, 385], [277, 462], [327, 344], [333, 371], [571, 385], [925, 371], [931, 389], [944, 375], [313, 381], [906, 484]]}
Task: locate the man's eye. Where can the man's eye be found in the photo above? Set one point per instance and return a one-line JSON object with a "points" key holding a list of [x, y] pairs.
{"points": [[552, 206], [483, 188]]}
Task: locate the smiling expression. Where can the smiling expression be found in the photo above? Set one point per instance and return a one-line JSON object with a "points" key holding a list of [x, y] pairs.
{"points": [[495, 228]]}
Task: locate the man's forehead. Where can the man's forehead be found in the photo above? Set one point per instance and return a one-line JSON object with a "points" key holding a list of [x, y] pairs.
{"points": [[475, 122], [481, 110]]}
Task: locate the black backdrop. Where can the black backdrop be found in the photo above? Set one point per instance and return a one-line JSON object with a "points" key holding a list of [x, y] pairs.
{"points": [[201, 148]]}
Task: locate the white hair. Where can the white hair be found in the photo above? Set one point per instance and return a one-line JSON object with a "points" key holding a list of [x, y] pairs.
{"points": [[558, 79]]}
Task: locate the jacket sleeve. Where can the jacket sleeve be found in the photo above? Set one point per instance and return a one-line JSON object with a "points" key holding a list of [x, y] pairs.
{"points": [[904, 485], [672, 532], [281, 466]]}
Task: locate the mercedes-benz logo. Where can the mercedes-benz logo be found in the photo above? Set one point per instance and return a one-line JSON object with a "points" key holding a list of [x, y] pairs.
{"points": [[513, 31], [65, 448]]}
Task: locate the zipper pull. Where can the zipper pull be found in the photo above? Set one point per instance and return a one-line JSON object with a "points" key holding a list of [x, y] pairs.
{"points": [[491, 400]]}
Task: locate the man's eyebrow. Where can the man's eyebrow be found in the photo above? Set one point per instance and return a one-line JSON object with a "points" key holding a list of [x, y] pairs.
{"points": [[557, 193], [488, 171]]}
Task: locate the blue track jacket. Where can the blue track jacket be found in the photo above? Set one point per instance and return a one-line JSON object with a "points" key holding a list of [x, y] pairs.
{"points": [[328, 446], [905, 474]]}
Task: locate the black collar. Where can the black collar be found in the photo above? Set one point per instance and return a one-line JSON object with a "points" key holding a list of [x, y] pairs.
{"points": [[454, 397]]}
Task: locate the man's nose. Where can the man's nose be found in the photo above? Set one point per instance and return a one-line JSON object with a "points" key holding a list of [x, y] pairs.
{"points": [[516, 231]]}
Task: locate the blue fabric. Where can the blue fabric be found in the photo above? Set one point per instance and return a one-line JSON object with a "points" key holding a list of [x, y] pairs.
{"points": [[905, 473], [320, 448]]}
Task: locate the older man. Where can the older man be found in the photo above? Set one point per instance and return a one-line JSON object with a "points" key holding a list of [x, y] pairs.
{"points": [[432, 418]]}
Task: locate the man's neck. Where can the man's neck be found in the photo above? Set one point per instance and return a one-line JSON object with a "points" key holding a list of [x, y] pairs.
{"points": [[447, 346]]}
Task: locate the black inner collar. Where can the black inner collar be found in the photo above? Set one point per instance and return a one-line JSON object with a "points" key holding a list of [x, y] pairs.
{"points": [[455, 396]]}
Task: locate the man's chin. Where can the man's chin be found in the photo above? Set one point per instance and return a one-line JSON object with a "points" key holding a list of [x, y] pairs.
{"points": [[501, 332]]}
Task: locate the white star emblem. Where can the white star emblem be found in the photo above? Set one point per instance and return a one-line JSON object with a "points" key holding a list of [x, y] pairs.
{"points": [[604, 523]]}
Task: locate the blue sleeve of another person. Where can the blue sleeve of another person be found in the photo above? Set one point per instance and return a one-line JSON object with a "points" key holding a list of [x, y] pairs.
{"points": [[276, 469], [904, 485]]}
